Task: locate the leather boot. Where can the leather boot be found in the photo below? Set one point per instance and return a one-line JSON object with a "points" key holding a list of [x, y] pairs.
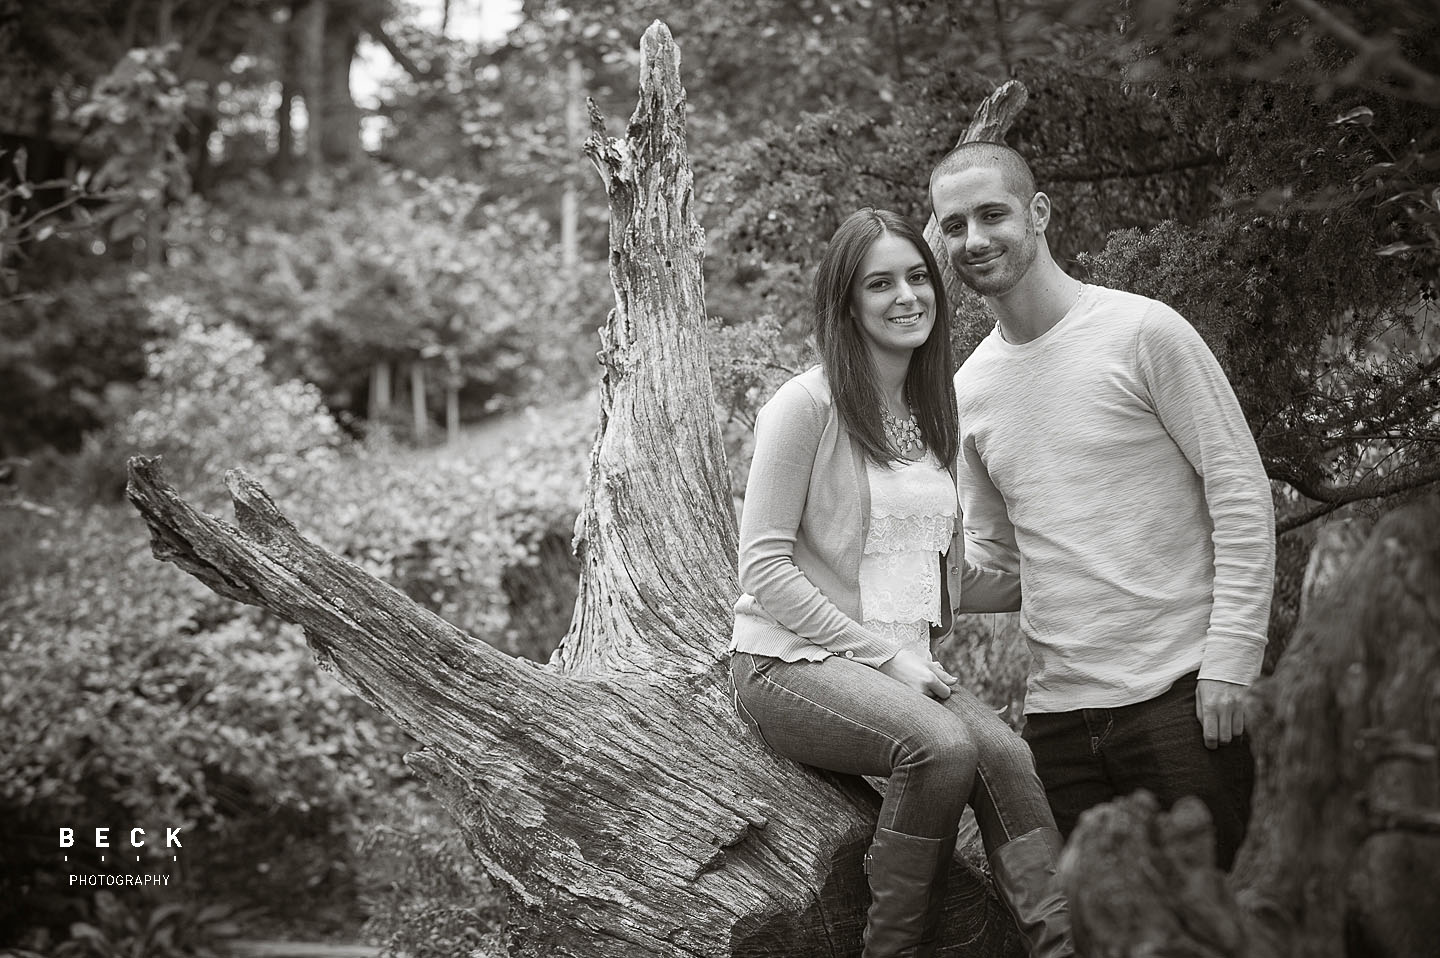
{"points": [[902, 872], [935, 912], [1024, 873]]}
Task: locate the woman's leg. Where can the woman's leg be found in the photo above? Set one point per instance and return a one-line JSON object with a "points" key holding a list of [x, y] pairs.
{"points": [[1017, 828], [1008, 797], [849, 718], [846, 717]]}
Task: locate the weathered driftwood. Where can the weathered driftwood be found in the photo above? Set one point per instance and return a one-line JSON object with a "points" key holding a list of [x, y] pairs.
{"points": [[1343, 854], [612, 792]]}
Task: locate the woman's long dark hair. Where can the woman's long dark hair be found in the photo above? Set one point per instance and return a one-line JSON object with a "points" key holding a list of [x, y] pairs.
{"points": [[928, 383]]}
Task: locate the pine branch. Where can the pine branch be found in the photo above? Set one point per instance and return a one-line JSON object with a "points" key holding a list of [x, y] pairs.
{"points": [[1423, 87], [1093, 174], [1329, 498]]}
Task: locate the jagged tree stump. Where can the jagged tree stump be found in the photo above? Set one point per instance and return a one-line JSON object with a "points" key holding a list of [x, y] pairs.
{"points": [[612, 792], [1343, 853]]}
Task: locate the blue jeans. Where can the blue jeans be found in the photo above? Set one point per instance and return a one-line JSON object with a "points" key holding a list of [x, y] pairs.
{"points": [[938, 756], [1090, 756]]}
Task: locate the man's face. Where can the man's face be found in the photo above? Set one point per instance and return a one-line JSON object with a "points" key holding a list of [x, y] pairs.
{"points": [[990, 233]]}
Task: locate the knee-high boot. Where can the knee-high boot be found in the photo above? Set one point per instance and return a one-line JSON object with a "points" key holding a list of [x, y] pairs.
{"points": [[902, 873], [1024, 873], [935, 912]]}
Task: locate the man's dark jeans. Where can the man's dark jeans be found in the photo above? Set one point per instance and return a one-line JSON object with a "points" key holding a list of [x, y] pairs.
{"points": [[1090, 756]]}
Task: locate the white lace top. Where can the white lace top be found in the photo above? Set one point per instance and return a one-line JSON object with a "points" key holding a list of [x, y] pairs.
{"points": [[912, 515]]}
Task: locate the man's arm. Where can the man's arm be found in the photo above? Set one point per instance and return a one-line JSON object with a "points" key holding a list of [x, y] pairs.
{"points": [[990, 578], [1195, 403]]}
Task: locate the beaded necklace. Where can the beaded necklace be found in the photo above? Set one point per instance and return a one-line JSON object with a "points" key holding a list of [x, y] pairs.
{"points": [[902, 433]]}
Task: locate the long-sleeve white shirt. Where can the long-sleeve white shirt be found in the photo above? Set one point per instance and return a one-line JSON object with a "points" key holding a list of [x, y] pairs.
{"points": [[1111, 452]]}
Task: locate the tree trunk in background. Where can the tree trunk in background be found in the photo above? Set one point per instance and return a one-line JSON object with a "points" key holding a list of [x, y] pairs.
{"points": [[613, 793], [309, 19], [380, 396], [340, 126], [452, 413], [419, 414], [283, 165], [570, 200], [201, 169]]}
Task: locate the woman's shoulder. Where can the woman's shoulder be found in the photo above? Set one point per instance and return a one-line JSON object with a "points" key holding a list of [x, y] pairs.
{"points": [[809, 389]]}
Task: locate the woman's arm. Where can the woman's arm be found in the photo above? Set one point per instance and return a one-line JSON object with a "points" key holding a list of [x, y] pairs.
{"points": [[787, 437]]}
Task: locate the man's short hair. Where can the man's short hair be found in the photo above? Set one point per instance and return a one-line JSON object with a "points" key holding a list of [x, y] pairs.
{"points": [[1014, 171]]}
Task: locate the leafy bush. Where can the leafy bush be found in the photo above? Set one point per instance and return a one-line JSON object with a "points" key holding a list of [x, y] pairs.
{"points": [[116, 928], [207, 403], [135, 694], [429, 897], [69, 353], [397, 269]]}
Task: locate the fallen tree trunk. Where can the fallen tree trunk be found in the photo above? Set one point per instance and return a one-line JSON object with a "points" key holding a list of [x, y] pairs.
{"points": [[1343, 853], [612, 792]]}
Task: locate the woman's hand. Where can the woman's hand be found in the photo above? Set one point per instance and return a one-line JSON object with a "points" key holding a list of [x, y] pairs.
{"points": [[918, 672]]}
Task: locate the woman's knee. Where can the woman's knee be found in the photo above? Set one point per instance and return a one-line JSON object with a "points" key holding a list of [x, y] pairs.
{"points": [[1004, 749], [948, 745]]}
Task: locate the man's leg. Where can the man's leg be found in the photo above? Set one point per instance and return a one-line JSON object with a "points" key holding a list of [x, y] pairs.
{"points": [[1159, 746], [1069, 757]]}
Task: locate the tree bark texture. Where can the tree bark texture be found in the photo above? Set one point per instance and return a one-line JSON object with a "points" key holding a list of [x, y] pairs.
{"points": [[1343, 853], [612, 792]]}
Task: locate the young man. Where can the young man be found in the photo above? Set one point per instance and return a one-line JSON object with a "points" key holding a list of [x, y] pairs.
{"points": [[1101, 442]]}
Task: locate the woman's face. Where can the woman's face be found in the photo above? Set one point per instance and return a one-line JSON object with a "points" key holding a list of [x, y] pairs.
{"points": [[893, 298]]}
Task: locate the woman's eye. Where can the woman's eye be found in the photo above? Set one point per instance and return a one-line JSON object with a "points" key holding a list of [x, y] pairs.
{"points": [[920, 277]]}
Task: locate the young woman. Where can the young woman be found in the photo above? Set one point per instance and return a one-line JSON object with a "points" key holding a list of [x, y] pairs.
{"points": [[850, 560]]}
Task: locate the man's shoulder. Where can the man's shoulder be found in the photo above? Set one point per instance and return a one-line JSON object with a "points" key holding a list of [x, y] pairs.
{"points": [[1138, 308], [981, 361]]}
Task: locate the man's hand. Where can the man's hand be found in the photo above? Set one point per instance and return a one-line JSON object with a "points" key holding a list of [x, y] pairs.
{"points": [[919, 673], [1220, 707]]}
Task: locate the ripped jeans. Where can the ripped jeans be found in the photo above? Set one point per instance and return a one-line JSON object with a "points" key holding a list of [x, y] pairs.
{"points": [[938, 756]]}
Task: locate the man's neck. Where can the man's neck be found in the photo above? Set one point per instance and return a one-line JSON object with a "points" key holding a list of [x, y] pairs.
{"points": [[1033, 307]]}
